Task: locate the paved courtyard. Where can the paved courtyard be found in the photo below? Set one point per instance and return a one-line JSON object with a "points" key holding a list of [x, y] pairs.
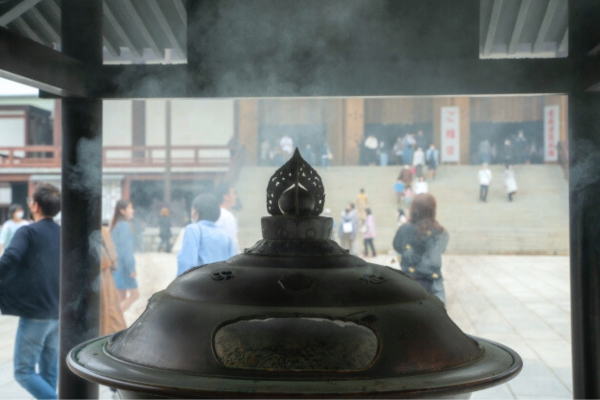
{"points": [[520, 301]]}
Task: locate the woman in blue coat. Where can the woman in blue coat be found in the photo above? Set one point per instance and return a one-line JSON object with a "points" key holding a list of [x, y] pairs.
{"points": [[125, 275]]}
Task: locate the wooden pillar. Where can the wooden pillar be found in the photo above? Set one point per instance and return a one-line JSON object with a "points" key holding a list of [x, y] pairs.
{"points": [[247, 125], [584, 197], [81, 34], [126, 188], [57, 124], [354, 132], [464, 107], [335, 130]]}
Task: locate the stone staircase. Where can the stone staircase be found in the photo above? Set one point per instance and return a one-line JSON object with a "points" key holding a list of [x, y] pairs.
{"points": [[536, 222]]}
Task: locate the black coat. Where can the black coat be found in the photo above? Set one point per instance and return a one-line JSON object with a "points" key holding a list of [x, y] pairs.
{"points": [[421, 256], [30, 272]]}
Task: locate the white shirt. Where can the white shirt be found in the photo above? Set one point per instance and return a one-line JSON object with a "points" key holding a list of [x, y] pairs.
{"points": [[8, 231], [421, 187], [228, 223], [418, 158], [485, 176], [287, 145]]}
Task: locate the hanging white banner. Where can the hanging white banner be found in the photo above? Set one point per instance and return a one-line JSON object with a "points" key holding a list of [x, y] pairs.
{"points": [[551, 132], [450, 134]]}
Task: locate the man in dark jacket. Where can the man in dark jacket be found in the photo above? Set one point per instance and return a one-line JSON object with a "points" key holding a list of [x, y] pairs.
{"points": [[29, 289]]}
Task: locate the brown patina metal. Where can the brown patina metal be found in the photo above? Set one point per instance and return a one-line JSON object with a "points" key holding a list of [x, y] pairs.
{"points": [[294, 316]]}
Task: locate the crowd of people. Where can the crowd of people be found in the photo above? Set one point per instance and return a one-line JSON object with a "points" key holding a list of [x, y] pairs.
{"points": [[277, 153], [30, 271], [514, 150]]}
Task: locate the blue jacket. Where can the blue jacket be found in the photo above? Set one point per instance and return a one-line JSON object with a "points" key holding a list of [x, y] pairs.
{"points": [[30, 272], [203, 243]]}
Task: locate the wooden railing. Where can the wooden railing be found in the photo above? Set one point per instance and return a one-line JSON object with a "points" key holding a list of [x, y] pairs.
{"points": [[156, 156], [120, 156], [30, 156]]}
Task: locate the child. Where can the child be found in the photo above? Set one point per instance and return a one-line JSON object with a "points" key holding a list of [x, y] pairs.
{"points": [[421, 185], [485, 178], [408, 195]]}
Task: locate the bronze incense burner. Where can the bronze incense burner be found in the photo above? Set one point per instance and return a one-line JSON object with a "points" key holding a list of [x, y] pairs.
{"points": [[294, 316]]}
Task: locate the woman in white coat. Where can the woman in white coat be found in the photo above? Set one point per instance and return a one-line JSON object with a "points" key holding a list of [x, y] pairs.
{"points": [[510, 183]]}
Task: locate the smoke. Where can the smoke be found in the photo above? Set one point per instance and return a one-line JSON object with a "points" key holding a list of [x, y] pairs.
{"points": [[275, 48], [85, 174]]}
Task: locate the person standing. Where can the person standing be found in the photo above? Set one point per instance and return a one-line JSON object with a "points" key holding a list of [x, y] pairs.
{"points": [[371, 145], [164, 230], [522, 148], [421, 140], [286, 144], [369, 234], [111, 316], [203, 241], [510, 182], [383, 154], [126, 275], [397, 149], [226, 194], [15, 221], [485, 178], [347, 230], [326, 156], [507, 153], [419, 161], [362, 201], [29, 289], [407, 148], [432, 159], [421, 243]]}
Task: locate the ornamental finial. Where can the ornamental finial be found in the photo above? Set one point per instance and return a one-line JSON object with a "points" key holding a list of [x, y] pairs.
{"points": [[295, 189]]}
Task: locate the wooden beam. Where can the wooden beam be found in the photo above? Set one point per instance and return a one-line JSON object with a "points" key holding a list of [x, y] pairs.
{"points": [[136, 21], [492, 27], [114, 25], [44, 24], [27, 31], [33, 64], [548, 16], [516, 35], [180, 8], [164, 24], [376, 78], [17, 11]]}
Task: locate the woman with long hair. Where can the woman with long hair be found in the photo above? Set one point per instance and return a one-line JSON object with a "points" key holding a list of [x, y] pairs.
{"points": [[421, 242], [125, 275]]}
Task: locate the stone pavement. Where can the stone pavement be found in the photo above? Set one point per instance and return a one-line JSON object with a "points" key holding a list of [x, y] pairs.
{"points": [[520, 301]]}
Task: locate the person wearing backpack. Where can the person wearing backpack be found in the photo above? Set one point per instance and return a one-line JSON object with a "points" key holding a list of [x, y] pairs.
{"points": [[421, 242], [347, 230]]}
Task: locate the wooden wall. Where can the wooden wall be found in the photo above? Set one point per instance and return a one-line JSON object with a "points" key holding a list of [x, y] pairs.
{"points": [[507, 109], [293, 112], [399, 110], [345, 119]]}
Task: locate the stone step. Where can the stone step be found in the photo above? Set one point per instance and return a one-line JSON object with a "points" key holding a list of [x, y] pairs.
{"points": [[536, 222]]}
